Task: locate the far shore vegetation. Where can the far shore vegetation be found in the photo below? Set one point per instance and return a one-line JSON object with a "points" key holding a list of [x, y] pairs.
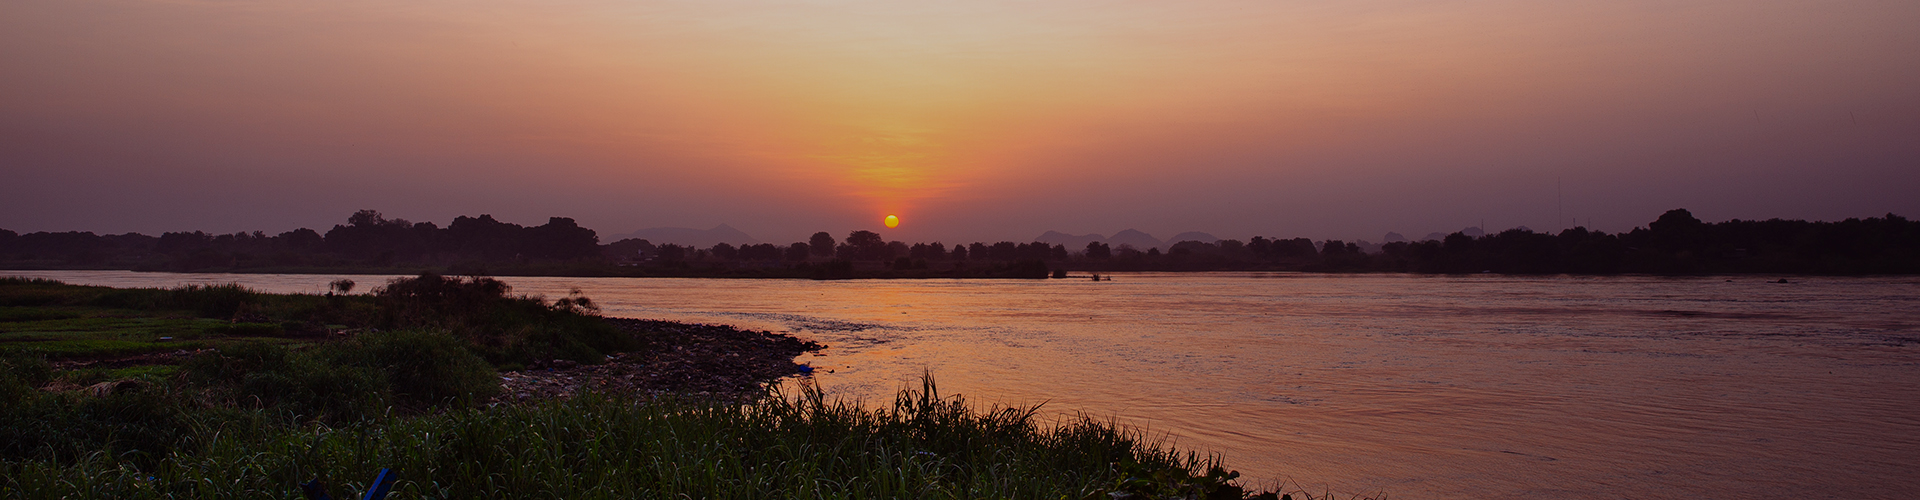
{"points": [[223, 392], [369, 243]]}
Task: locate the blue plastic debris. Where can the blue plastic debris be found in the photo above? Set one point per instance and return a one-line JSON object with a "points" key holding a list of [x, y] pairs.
{"points": [[806, 369], [381, 485]]}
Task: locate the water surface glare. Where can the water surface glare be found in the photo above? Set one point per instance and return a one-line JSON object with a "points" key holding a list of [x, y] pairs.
{"points": [[1412, 386]]}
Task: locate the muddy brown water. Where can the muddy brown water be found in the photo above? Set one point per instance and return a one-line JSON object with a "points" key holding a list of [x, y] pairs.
{"points": [[1409, 386]]}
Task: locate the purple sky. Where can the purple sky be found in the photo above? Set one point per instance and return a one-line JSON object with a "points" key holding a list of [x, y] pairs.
{"points": [[976, 121]]}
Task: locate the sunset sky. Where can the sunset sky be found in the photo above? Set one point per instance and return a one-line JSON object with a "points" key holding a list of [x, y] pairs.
{"points": [[973, 121]]}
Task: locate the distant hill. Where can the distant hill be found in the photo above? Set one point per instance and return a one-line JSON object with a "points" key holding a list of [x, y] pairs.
{"points": [[1139, 240], [1192, 236], [697, 238]]}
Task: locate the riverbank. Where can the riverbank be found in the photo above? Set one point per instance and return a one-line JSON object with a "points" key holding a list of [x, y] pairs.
{"points": [[471, 392], [687, 359]]}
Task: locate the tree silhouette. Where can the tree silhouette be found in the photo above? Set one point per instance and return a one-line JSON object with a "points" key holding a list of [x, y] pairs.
{"points": [[1099, 251], [821, 243], [671, 252], [560, 239], [867, 245], [760, 252], [366, 218]]}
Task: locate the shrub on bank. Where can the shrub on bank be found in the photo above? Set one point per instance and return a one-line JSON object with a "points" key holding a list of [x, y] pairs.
{"points": [[420, 369], [505, 329]]}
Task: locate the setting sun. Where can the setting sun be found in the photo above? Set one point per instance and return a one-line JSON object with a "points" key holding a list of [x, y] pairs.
{"points": [[893, 221]]}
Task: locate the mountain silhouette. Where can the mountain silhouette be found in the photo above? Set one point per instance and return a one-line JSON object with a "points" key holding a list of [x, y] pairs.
{"points": [[697, 238], [1139, 241], [1192, 236]]}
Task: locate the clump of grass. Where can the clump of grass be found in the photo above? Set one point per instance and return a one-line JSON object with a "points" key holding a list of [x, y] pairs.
{"points": [[347, 381], [421, 369], [99, 347], [21, 371], [272, 377], [136, 423], [210, 301], [592, 447], [207, 301], [228, 302], [25, 292], [26, 314], [20, 281], [504, 328], [150, 412], [141, 372], [247, 329]]}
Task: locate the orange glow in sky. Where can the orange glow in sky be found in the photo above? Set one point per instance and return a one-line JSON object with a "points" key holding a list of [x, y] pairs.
{"points": [[988, 120]]}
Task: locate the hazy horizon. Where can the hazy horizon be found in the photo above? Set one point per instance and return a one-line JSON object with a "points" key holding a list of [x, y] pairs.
{"points": [[720, 233], [982, 121]]}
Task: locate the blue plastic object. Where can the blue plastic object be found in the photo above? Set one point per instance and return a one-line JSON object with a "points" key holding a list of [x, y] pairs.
{"points": [[381, 485]]}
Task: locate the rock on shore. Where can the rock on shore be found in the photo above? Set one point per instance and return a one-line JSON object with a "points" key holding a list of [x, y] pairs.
{"points": [[694, 359]]}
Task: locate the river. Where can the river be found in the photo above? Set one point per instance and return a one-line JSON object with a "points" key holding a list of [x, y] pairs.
{"points": [[1407, 386]]}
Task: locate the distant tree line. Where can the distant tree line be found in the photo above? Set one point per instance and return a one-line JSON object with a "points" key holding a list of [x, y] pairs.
{"points": [[1676, 243], [368, 239]]}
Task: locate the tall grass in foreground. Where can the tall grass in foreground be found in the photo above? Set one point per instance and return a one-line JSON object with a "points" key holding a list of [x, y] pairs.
{"points": [[591, 447]]}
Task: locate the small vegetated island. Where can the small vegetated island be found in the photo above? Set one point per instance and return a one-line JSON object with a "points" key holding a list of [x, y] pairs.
{"points": [[466, 390], [370, 243]]}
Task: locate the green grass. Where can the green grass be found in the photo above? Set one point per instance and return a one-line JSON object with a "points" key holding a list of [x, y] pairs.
{"points": [[72, 348], [143, 372], [63, 321], [18, 292], [15, 314], [594, 447], [98, 332], [68, 321]]}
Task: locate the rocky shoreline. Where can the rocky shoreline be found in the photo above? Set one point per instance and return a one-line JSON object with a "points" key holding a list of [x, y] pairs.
{"points": [[688, 359]]}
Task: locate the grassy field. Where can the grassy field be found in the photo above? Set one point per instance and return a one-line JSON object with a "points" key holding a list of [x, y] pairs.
{"points": [[220, 392], [70, 321], [798, 446]]}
